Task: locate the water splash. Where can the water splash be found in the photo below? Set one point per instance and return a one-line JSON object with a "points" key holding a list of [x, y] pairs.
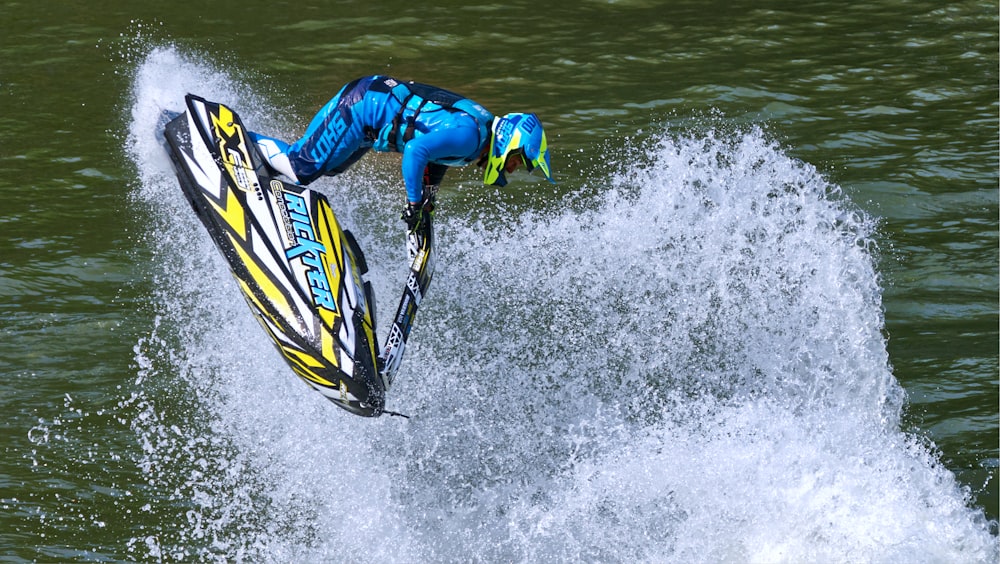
{"points": [[691, 369]]}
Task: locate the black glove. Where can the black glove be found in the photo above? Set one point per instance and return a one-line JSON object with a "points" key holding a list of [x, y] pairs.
{"points": [[412, 216]]}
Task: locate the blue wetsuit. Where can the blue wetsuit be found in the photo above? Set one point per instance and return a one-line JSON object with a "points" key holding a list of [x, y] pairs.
{"points": [[432, 127]]}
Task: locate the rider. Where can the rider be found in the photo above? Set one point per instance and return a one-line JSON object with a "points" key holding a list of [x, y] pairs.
{"points": [[432, 127]]}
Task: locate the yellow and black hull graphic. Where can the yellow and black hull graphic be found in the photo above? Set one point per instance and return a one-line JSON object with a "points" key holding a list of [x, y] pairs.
{"points": [[301, 274]]}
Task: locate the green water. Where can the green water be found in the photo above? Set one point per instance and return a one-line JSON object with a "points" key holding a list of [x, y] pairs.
{"points": [[896, 102]]}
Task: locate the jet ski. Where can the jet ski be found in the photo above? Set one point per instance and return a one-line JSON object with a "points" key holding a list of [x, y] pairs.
{"points": [[300, 271]]}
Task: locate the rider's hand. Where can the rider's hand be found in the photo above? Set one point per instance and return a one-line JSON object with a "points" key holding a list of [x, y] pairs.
{"points": [[412, 215]]}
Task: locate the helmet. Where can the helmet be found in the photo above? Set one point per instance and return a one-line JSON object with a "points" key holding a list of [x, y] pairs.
{"points": [[516, 134]]}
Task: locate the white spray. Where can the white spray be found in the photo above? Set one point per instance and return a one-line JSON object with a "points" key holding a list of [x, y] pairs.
{"points": [[690, 369]]}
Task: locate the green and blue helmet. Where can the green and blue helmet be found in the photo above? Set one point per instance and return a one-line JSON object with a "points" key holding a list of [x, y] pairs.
{"points": [[516, 134]]}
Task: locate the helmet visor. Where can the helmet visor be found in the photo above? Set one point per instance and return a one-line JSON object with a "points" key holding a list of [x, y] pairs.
{"points": [[536, 152]]}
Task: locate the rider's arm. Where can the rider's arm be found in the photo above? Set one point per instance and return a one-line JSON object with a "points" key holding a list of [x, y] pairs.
{"points": [[453, 142]]}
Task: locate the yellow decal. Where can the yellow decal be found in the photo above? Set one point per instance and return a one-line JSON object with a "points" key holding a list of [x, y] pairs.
{"points": [[302, 357], [327, 346], [233, 149], [326, 226], [309, 375], [257, 305], [264, 282], [232, 214]]}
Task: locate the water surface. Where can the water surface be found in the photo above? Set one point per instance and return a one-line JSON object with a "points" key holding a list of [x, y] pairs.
{"points": [[761, 302]]}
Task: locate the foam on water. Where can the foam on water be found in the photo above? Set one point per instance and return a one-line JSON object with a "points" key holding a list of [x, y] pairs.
{"points": [[691, 369]]}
